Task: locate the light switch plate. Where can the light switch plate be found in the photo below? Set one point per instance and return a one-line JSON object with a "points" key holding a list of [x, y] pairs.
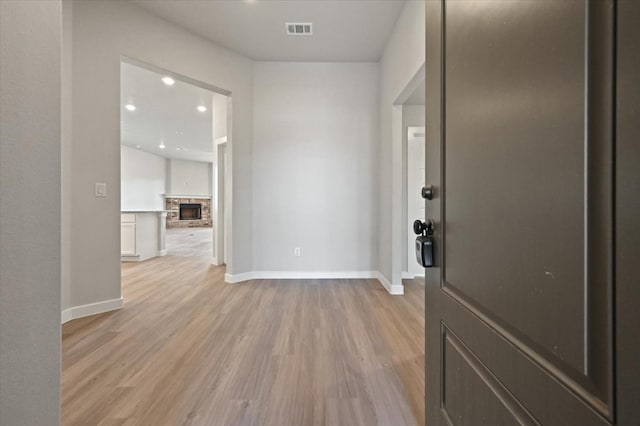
{"points": [[101, 189]]}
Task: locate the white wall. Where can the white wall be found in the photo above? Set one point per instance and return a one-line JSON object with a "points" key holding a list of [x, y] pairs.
{"points": [[403, 57], [103, 31], [190, 178], [315, 142], [143, 180], [30, 157]]}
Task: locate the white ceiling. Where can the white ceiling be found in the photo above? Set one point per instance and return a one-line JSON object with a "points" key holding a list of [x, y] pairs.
{"points": [[168, 114], [343, 30]]}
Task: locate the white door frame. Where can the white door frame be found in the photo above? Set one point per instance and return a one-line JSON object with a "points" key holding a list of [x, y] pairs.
{"points": [[221, 203], [223, 196]]}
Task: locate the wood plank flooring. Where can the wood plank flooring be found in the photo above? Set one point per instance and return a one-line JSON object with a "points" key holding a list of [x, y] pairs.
{"points": [[188, 349], [190, 242]]}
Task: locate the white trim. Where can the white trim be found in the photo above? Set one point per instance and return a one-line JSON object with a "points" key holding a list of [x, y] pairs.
{"points": [[196, 197], [131, 258], [300, 275], [66, 315], [238, 278], [408, 276], [91, 309], [221, 140], [397, 196], [315, 275], [412, 85], [174, 75], [162, 252], [395, 290], [221, 203]]}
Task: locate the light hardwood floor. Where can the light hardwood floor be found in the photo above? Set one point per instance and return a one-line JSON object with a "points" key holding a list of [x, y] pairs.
{"points": [[189, 349], [190, 242]]}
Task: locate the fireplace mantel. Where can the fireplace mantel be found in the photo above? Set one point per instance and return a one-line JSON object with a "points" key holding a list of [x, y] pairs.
{"points": [[206, 197], [144, 211]]}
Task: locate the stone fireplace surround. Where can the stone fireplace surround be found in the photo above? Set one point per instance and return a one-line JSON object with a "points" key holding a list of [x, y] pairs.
{"points": [[172, 205]]}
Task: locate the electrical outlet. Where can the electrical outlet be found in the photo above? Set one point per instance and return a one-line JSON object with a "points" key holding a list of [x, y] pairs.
{"points": [[296, 251]]}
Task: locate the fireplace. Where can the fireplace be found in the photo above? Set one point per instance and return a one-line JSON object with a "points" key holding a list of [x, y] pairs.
{"points": [[190, 211]]}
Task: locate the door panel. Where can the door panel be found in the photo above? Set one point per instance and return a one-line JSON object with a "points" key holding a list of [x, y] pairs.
{"points": [[519, 143], [471, 394], [627, 212], [538, 389], [515, 108]]}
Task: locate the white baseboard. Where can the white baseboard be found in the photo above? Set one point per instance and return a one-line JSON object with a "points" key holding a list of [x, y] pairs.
{"points": [[162, 252], [315, 275], [238, 278], [66, 315], [130, 258], [299, 275], [396, 290], [91, 309], [410, 276]]}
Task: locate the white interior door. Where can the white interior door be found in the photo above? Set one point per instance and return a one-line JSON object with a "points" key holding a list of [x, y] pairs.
{"points": [[415, 182]]}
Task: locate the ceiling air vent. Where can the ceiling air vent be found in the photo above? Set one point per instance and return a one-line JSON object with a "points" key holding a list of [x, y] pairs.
{"points": [[299, 28]]}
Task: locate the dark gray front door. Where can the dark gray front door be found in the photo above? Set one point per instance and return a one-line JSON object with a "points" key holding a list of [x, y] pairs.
{"points": [[519, 146]]}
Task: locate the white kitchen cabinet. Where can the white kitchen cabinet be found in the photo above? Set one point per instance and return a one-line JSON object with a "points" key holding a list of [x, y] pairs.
{"points": [[128, 239], [142, 235]]}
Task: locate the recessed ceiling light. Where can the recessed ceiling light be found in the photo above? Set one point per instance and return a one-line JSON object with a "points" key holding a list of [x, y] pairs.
{"points": [[161, 146], [130, 107], [138, 146], [178, 149], [168, 81], [202, 108]]}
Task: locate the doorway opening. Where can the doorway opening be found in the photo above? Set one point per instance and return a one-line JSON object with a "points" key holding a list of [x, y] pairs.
{"points": [[415, 182], [175, 148], [408, 133]]}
